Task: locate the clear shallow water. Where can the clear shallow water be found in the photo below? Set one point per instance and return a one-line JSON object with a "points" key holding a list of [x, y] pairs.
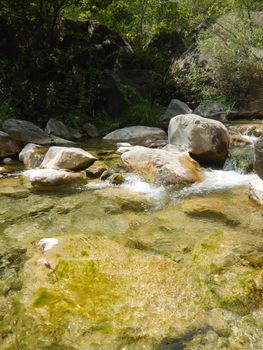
{"points": [[135, 266]]}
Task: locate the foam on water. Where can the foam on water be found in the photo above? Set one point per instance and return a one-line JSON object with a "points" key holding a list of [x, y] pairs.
{"points": [[133, 183], [217, 180]]}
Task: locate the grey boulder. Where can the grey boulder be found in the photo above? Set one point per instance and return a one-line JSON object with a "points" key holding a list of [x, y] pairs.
{"points": [[57, 128], [138, 133], [216, 111], [26, 132], [8, 146], [176, 107], [206, 140]]}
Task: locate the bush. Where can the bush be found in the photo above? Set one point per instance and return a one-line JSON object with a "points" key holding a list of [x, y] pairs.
{"points": [[232, 48]]}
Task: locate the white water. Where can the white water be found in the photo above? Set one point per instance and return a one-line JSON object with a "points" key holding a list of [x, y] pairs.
{"points": [[217, 180]]}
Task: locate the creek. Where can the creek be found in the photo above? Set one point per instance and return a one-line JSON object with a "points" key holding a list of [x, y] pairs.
{"points": [[133, 266]]}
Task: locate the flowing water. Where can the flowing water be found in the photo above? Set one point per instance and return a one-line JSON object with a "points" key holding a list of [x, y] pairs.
{"points": [[135, 266]]}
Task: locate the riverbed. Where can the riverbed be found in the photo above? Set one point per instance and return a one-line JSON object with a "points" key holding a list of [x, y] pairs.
{"points": [[132, 266]]}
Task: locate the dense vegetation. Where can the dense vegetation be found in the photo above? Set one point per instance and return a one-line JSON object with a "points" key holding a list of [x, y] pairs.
{"points": [[56, 61]]}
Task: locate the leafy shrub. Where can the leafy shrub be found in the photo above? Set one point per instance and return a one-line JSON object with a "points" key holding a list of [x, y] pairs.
{"points": [[143, 113], [232, 48]]}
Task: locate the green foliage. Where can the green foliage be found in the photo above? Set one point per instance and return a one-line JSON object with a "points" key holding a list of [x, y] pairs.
{"points": [[143, 113], [232, 47]]}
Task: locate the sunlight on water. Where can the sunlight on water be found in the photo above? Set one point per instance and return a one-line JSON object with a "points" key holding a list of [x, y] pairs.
{"points": [[216, 180]]}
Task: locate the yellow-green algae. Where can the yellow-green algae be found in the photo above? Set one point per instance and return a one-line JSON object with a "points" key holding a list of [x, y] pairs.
{"points": [[129, 278]]}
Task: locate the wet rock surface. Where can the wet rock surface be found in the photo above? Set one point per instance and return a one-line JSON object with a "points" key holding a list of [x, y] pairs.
{"points": [[162, 166]]}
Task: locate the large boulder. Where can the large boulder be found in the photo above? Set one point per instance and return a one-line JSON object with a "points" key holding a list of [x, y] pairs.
{"points": [[168, 167], [26, 132], [69, 158], [32, 155], [8, 146], [216, 111], [136, 133], [176, 107], [258, 157], [57, 128], [51, 177], [206, 140], [256, 191]]}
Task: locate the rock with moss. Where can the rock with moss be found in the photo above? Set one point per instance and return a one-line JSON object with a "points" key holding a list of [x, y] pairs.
{"points": [[96, 170], [117, 179]]}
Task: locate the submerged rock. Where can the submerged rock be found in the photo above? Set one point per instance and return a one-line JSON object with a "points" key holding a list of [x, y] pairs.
{"points": [[167, 167], [206, 140], [26, 132], [139, 133], [69, 158], [8, 146], [258, 157], [51, 177], [256, 191]]}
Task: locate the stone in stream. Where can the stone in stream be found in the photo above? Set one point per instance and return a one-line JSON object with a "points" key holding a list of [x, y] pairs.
{"points": [[57, 128], [26, 132], [69, 158], [168, 167], [32, 155], [138, 133], [96, 170], [258, 157], [8, 146], [90, 130], [206, 140], [117, 179], [176, 107], [256, 190], [216, 111], [51, 177]]}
